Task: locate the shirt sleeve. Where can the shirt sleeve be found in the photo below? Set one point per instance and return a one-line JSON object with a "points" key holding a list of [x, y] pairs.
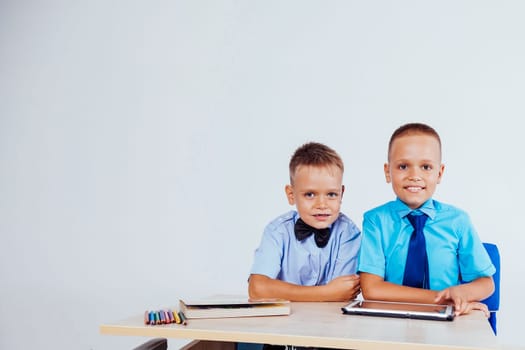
{"points": [[371, 255], [268, 256], [474, 261]]}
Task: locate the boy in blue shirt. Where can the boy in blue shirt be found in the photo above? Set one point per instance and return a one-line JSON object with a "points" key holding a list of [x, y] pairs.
{"points": [[309, 254], [393, 263]]}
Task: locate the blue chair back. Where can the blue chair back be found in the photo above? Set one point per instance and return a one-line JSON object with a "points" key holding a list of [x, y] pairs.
{"points": [[492, 302]]}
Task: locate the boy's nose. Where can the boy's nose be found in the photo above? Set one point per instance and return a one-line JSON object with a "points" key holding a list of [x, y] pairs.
{"points": [[414, 175], [415, 178], [321, 202]]}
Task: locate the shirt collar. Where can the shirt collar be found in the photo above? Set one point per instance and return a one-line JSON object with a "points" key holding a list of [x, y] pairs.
{"points": [[427, 208]]}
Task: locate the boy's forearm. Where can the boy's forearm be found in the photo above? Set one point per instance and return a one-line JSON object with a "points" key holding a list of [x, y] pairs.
{"points": [[479, 289], [261, 287], [375, 288], [393, 292]]}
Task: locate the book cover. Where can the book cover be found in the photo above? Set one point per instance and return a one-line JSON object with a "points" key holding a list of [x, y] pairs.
{"points": [[233, 306]]}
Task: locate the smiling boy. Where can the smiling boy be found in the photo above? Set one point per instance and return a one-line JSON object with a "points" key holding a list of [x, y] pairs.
{"points": [[309, 254], [389, 268]]}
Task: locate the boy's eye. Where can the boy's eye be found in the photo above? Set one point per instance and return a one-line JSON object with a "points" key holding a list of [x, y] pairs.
{"points": [[309, 195], [333, 195], [402, 166], [427, 167]]}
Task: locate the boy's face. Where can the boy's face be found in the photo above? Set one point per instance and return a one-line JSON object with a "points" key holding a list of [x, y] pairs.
{"points": [[317, 193], [414, 168]]}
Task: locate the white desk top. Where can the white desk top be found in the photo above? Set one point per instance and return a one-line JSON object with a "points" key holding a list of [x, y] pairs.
{"points": [[324, 325]]}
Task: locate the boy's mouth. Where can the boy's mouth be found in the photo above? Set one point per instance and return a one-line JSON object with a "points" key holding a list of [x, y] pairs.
{"points": [[414, 189], [321, 217]]}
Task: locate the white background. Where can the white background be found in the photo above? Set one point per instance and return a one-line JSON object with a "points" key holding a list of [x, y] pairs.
{"points": [[144, 145]]}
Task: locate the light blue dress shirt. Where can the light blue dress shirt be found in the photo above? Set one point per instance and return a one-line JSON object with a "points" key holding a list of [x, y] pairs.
{"points": [[281, 256], [453, 247]]}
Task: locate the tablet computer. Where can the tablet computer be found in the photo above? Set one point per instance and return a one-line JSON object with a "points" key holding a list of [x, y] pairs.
{"points": [[401, 310]]}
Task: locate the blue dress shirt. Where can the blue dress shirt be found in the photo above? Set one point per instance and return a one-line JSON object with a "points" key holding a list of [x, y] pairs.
{"points": [[454, 249], [281, 256]]}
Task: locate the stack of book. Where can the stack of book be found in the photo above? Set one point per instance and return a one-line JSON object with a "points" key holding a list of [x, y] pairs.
{"points": [[233, 306]]}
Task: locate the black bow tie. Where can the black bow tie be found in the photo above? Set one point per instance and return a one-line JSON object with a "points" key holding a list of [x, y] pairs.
{"points": [[303, 231]]}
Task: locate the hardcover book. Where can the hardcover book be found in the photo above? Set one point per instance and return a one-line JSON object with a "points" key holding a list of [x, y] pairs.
{"points": [[233, 306]]}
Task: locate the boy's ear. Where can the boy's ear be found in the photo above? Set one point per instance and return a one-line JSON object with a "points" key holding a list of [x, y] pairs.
{"points": [[441, 171], [342, 192], [288, 189], [386, 169]]}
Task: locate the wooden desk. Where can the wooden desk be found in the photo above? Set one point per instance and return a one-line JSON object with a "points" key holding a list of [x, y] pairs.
{"points": [[324, 325]]}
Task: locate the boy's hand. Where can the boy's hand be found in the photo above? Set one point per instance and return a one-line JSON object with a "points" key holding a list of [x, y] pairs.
{"points": [[476, 305], [459, 298], [344, 288]]}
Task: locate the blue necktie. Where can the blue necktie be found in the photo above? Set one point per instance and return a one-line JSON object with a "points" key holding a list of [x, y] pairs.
{"points": [[416, 268]]}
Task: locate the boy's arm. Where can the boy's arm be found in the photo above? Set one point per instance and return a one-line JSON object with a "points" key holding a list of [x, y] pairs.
{"points": [[376, 288], [465, 297], [342, 288]]}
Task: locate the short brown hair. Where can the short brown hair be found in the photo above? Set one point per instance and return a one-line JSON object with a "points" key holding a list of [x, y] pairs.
{"points": [[316, 154], [413, 129]]}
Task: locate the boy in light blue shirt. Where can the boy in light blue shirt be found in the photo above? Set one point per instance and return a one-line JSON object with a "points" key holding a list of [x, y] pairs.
{"points": [[403, 260], [309, 254]]}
